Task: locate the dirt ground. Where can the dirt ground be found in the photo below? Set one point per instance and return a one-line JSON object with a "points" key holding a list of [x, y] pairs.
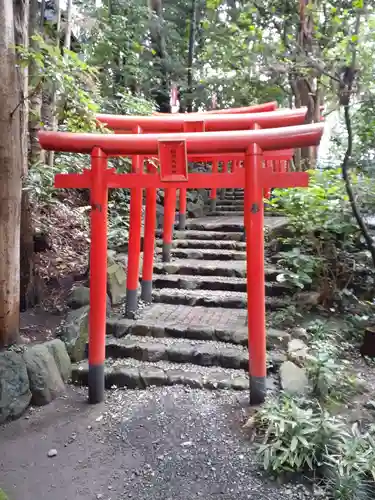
{"points": [[160, 444]]}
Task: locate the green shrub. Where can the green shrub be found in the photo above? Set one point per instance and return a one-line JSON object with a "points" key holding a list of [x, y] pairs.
{"points": [[3, 495], [298, 268], [322, 207], [329, 376], [351, 466], [294, 436]]}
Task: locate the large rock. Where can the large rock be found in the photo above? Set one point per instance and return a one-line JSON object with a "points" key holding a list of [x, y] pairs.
{"points": [[15, 392], [116, 280], [293, 379], [297, 350], [80, 297], [58, 350], [195, 210], [45, 380], [75, 332]]}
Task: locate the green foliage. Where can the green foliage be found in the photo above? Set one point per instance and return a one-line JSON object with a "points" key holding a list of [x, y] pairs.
{"points": [[322, 207], [3, 495], [40, 177], [299, 269], [284, 318], [126, 103], [329, 373], [300, 436], [74, 81], [325, 235], [116, 45], [118, 223], [351, 473], [294, 435]]}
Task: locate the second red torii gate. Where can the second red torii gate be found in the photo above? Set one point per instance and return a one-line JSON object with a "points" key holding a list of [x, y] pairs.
{"points": [[188, 123]]}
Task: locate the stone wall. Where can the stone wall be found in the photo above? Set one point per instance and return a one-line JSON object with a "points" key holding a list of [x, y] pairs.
{"points": [[32, 375]]}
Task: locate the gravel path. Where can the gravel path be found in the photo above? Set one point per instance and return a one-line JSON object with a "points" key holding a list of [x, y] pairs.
{"points": [[169, 443]]}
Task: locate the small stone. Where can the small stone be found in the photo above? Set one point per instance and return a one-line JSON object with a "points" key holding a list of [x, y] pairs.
{"points": [[99, 496], [293, 379], [52, 453], [187, 444]]}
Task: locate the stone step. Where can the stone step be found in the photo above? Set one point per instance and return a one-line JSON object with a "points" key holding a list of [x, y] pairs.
{"points": [[230, 207], [218, 244], [228, 333], [205, 235], [134, 374], [229, 203], [213, 298], [217, 224], [226, 213], [205, 254], [210, 268], [177, 350], [213, 283]]}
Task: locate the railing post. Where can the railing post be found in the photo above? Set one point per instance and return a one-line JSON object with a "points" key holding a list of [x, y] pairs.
{"points": [[98, 276], [169, 219], [134, 250], [256, 320], [213, 193], [149, 243]]}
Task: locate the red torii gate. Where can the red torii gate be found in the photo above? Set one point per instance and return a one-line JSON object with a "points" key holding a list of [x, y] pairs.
{"points": [[201, 122], [172, 150], [255, 108], [177, 123]]}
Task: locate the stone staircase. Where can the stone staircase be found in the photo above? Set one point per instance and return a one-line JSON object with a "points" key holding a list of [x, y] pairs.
{"points": [[195, 333]]}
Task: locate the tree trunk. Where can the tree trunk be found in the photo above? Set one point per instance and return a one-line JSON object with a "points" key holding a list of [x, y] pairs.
{"points": [[161, 95], [68, 28], [21, 23], [36, 154], [10, 180], [193, 26], [51, 154]]}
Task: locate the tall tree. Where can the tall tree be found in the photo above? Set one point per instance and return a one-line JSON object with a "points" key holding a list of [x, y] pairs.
{"points": [[10, 179], [192, 30], [36, 25], [54, 124], [161, 94], [68, 26]]}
